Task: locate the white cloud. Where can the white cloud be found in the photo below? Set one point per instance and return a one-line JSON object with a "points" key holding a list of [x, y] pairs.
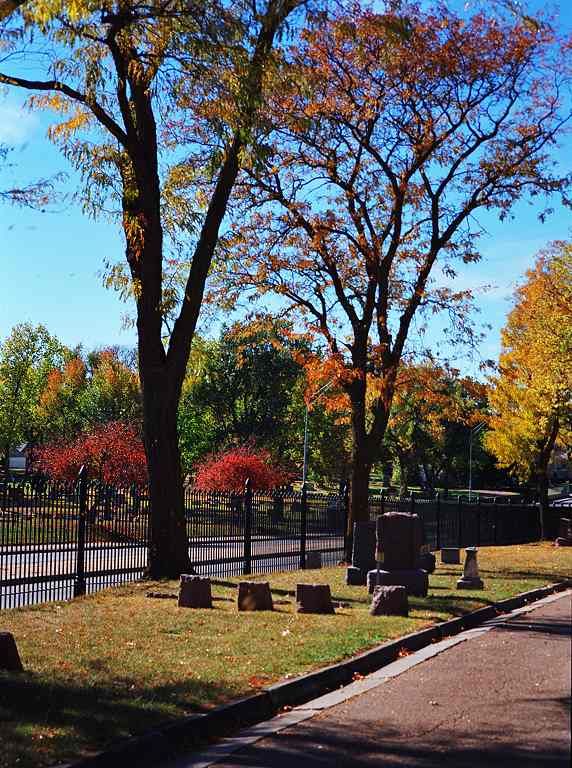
{"points": [[16, 124]]}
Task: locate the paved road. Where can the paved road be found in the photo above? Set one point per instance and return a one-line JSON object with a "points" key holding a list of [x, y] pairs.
{"points": [[499, 698]]}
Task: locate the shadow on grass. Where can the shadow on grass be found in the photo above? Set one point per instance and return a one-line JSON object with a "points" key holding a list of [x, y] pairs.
{"points": [[43, 722]]}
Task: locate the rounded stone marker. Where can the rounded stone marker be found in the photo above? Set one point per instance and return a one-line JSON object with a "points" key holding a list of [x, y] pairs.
{"points": [[9, 656], [314, 598], [195, 592], [254, 596], [389, 601]]}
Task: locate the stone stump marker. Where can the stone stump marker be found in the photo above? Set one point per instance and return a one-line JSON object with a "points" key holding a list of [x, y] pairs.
{"points": [[314, 598], [195, 592], [254, 596], [470, 578], [389, 601], [564, 533], [451, 555], [313, 559], [363, 553], [9, 656]]}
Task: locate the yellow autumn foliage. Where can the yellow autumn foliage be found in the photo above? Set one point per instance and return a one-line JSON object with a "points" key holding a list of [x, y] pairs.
{"points": [[531, 399]]}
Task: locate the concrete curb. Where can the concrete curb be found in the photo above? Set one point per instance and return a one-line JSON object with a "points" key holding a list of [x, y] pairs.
{"points": [[162, 743]]}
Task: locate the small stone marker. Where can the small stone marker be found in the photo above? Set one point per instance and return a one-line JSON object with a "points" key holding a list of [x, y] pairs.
{"points": [[389, 601], [470, 578], [9, 656], [451, 555], [254, 596], [363, 553], [313, 559], [314, 598], [564, 533], [195, 592]]}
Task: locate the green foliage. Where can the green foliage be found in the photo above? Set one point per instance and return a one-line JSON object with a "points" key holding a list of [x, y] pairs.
{"points": [[27, 357]]}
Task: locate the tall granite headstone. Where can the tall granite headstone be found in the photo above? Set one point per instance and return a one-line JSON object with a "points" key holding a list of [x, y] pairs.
{"points": [[399, 538], [363, 553]]}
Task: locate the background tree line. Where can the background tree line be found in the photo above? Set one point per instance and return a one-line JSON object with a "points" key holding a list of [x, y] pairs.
{"points": [[247, 388]]}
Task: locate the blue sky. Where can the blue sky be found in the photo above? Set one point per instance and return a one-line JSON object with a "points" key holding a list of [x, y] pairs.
{"points": [[50, 262]]}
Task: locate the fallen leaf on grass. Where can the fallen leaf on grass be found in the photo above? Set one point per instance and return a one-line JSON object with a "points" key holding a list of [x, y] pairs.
{"points": [[257, 681]]}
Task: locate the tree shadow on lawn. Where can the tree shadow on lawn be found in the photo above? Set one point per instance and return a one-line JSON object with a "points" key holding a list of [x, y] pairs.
{"points": [[43, 722]]}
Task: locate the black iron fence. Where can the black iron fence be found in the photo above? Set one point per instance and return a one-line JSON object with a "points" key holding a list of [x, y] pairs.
{"points": [[59, 540]]}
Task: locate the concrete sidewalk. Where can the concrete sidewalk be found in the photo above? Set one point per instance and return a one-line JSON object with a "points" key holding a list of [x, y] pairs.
{"points": [[494, 696]]}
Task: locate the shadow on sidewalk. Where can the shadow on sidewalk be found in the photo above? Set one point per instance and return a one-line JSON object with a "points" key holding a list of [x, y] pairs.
{"points": [[322, 745], [551, 627]]}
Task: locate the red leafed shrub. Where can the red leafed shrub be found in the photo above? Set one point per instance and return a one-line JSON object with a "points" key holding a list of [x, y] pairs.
{"points": [[113, 453], [228, 471]]}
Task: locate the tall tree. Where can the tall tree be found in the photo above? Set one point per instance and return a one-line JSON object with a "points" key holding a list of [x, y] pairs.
{"points": [[395, 132], [27, 358], [531, 397], [122, 72]]}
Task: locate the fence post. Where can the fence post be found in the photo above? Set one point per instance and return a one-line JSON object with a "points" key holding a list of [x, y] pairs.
{"points": [[496, 520], [303, 526], [479, 520], [247, 567], [460, 521], [412, 504], [346, 503], [383, 501], [79, 584], [438, 517]]}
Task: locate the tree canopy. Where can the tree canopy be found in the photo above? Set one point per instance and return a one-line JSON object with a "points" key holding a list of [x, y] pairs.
{"points": [[531, 397], [389, 134]]}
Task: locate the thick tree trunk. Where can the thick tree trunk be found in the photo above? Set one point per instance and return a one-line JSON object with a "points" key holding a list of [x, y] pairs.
{"points": [[169, 551], [360, 470], [542, 490], [542, 476], [403, 476]]}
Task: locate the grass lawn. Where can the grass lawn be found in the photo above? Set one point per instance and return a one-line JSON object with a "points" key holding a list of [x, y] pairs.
{"points": [[107, 666]]}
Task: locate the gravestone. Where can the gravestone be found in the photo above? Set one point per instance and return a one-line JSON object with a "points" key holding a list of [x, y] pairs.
{"points": [[390, 601], [415, 580], [363, 553], [313, 559], [254, 596], [427, 561], [399, 538], [451, 555], [470, 578], [564, 533], [9, 656], [314, 598], [195, 592]]}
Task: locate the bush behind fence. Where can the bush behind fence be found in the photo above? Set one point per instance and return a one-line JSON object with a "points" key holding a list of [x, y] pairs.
{"points": [[59, 540]]}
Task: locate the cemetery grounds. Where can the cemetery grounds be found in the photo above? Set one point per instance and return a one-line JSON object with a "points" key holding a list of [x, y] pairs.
{"points": [[116, 663]]}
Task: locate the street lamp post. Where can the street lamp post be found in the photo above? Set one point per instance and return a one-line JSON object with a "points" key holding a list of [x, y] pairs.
{"points": [[308, 404], [474, 432]]}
